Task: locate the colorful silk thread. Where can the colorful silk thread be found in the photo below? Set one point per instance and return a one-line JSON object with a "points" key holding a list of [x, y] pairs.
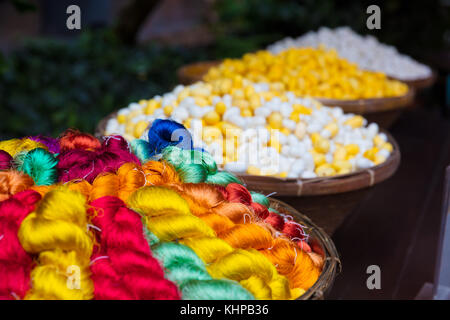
{"points": [[168, 216], [57, 232], [15, 263], [123, 267]]}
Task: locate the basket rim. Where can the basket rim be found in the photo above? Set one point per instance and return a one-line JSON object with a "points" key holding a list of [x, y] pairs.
{"points": [[421, 83], [332, 263], [372, 105]]}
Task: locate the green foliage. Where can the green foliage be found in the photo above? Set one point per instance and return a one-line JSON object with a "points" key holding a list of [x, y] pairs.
{"points": [[51, 85]]}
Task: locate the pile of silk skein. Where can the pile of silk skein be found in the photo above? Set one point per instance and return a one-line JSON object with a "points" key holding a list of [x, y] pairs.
{"points": [[88, 218]]}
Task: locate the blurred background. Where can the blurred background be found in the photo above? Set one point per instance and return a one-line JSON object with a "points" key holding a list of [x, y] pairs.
{"points": [[52, 78]]}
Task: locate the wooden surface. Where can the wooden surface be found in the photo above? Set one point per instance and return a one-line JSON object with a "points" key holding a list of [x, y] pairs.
{"points": [[396, 226], [317, 186]]}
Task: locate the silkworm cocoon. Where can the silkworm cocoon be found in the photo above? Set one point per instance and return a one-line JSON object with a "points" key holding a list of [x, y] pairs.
{"points": [[196, 128], [216, 150], [238, 121], [178, 89], [307, 142], [112, 126], [325, 170], [248, 135], [291, 175], [134, 106], [325, 133], [332, 147], [282, 138], [265, 161], [367, 143], [286, 150], [231, 113], [384, 153], [285, 163], [289, 124], [363, 163], [251, 123], [180, 113], [337, 112], [259, 121], [313, 127], [159, 113], [216, 99], [168, 100], [292, 140], [300, 130], [242, 150], [308, 175], [383, 136], [298, 166], [263, 112], [285, 109], [206, 110], [141, 117], [319, 159], [291, 96], [272, 152], [372, 129], [239, 167], [123, 111], [189, 101], [275, 102], [270, 170]]}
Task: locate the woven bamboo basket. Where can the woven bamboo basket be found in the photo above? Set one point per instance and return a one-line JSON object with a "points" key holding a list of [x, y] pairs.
{"points": [[194, 72], [327, 200], [318, 239], [384, 111]]}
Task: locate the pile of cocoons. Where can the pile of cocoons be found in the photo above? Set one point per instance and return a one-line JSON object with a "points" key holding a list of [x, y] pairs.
{"points": [[259, 129], [311, 72], [366, 51], [83, 218]]}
